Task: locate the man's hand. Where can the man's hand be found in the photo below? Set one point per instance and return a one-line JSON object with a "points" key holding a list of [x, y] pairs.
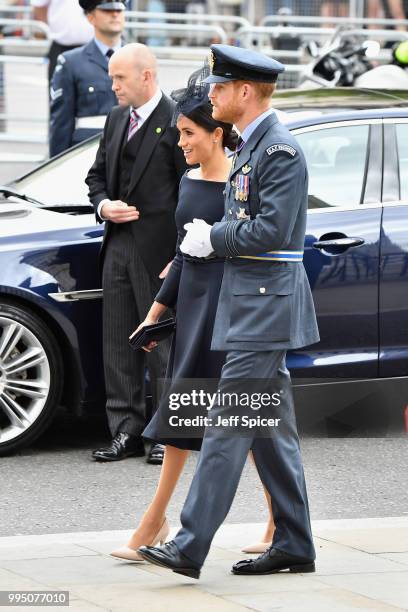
{"points": [[197, 240], [119, 212]]}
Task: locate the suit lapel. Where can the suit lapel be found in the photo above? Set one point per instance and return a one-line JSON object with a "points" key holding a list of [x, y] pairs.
{"points": [[113, 148], [245, 155], [94, 55], [155, 128]]}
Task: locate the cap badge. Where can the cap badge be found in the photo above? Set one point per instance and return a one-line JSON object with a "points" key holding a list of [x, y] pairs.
{"points": [[211, 60]]}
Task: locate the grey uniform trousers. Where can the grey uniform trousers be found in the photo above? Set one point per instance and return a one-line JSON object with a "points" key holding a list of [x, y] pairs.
{"points": [[128, 292], [222, 459]]}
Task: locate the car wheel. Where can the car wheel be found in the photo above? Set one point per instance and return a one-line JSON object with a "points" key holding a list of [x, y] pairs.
{"points": [[31, 377]]}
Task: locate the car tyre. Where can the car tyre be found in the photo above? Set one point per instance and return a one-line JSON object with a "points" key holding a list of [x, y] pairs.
{"points": [[31, 377]]}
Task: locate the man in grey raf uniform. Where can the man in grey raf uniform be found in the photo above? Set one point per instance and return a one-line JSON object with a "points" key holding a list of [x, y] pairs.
{"points": [[81, 93], [265, 308]]}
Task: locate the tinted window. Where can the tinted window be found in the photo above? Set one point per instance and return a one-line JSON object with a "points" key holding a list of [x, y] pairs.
{"points": [[402, 139], [336, 162]]}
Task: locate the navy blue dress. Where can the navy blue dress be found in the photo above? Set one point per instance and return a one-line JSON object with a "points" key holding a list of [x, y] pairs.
{"points": [[192, 287]]}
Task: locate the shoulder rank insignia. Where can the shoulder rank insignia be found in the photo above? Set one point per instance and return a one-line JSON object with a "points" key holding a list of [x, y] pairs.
{"points": [[55, 93], [281, 147], [242, 214], [245, 169]]}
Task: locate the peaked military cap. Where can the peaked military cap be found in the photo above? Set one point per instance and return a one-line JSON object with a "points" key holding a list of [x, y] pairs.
{"points": [[105, 5], [235, 63]]}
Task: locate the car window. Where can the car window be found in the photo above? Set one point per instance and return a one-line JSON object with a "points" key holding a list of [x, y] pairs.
{"points": [[336, 161], [62, 180], [402, 140]]}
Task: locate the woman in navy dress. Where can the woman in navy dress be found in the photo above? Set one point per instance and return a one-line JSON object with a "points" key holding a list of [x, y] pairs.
{"points": [[192, 287]]}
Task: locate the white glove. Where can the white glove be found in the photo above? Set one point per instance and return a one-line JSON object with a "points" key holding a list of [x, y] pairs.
{"points": [[197, 240]]}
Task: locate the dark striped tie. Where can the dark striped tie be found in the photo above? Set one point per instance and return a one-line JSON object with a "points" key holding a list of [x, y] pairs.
{"points": [[133, 123]]}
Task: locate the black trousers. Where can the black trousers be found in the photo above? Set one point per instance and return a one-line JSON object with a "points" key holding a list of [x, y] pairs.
{"points": [[128, 292]]}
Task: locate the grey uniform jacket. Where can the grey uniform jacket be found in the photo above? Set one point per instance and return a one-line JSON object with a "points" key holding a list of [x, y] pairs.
{"points": [[81, 90], [264, 305]]}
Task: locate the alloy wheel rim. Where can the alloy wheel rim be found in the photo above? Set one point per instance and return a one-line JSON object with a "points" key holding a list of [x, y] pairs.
{"points": [[24, 378]]}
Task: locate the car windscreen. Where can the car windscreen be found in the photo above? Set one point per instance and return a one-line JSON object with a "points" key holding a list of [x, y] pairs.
{"points": [[62, 180]]}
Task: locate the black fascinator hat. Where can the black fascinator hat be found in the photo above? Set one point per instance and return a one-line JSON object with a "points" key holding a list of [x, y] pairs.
{"points": [[194, 95], [193, 102]]}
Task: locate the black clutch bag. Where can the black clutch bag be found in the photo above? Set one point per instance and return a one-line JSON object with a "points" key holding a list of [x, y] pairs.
{"points": [[149, 333]]}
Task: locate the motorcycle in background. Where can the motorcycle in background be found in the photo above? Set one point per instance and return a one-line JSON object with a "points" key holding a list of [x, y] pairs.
{"points": [[345, 62]]}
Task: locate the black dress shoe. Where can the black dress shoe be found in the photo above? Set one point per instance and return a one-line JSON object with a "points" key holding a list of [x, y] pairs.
{"points": [[156, 454], [123, 445], [273, 561], [169, 556]]}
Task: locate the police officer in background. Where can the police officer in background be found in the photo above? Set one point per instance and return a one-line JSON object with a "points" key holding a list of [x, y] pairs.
{"points": [[81, 89]]}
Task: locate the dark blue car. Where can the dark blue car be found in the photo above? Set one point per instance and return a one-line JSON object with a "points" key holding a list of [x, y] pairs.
{"points": [[356, 256]]}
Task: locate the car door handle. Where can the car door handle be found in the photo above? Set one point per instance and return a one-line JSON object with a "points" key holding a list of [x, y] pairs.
{"points": [[345, 242]]}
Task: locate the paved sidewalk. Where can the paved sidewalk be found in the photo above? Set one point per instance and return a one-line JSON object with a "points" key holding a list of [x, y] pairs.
{"points": [[362, 564]]}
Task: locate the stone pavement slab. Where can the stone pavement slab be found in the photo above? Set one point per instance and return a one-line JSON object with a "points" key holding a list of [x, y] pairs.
{"points": [[165, 596], [362, 564], [391, 588], [9, 581], [392, 536], [397, 557], [336, 600], [42, 551]]}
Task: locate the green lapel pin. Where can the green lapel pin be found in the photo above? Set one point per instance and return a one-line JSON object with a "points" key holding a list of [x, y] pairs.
{"points": [[158, 130]]}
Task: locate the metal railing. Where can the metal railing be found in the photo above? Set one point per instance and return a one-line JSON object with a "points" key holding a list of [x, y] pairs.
{"points": [[24, 93], [345, 21], [23, 79], [28, 26], [256, 36], [23, 65], [16, 9], [231, 20], [176, 29]]}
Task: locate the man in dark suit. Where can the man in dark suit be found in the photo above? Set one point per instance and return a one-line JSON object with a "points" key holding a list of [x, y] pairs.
{"points": [[81, 91], [133, 186], [265, 307]]}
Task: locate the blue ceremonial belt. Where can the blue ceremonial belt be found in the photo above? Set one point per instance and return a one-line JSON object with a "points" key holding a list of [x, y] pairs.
{"points": [[276, 256]]}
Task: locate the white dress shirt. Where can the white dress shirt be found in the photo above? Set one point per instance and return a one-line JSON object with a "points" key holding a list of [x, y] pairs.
{"points": [[105, 48]]}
